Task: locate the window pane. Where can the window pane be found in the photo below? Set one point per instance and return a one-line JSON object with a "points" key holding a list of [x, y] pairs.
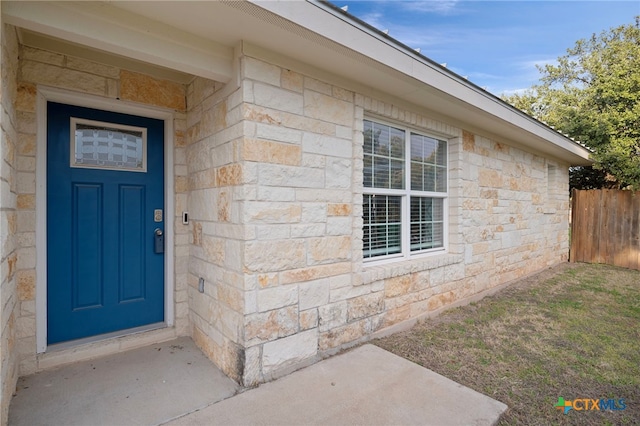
{"points": [[382, 227], [96, 144], [429, 178], [441, 179], [368, 137], [427, 227], [427, 156], [397, 174], [442, 153], [383, 156], [416, 176]]}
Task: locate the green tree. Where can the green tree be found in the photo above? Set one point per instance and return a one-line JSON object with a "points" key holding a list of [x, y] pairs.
{"points": [[592, 94]]}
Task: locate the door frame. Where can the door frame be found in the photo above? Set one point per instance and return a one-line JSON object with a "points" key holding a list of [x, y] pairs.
{"points": [[46, 94]]}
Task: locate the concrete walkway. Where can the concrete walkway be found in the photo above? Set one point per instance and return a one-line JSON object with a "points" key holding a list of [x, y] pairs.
{"points": [[170, 384], [145, 386]]}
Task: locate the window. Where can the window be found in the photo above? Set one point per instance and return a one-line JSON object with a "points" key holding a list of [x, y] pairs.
{"points": [[405, 192], [95, 144]]}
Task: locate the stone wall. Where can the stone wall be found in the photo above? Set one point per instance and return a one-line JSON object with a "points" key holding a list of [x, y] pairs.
{"points": [[299, 262], [8, 218], [307, 290], [217, 187], [40, 67]]}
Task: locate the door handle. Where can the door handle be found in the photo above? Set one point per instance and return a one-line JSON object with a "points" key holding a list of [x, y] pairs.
{"points": [[158, 241]]}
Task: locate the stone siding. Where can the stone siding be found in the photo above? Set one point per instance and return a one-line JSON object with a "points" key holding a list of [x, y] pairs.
{"points": [[216, 183], [308, 291], [40, 67], [9, 166]]}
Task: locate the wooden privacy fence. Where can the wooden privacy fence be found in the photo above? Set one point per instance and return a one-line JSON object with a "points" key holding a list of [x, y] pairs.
{"points": [[605, 227]]}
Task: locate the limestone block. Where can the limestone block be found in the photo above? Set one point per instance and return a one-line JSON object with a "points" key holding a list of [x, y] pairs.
{"points": [[342, 335], [276, 98], [233, 255], [329, 249], [267, 280], [230, 296], [290, 176], [278, 133], [314, 213], [26, 258], [308, 230], [229, 175], [396, 315], [39, 55], [26, 144], [214, 249], [314, 272], [252, 369], [26, 284], [398, 286], [291, 80], [273, 232], [271, 212], [338, 209], [365, 306], [250, 302], [92, 67], [268, 256], [308, 319], [348, 292], [338, 173], [145, 89], [317, 86], [332, 315], [339, 226], [314, 160], [25, 327], [289, 350], [272, 193], [26, 97], [439, 300], [271, 152], [489, 178], [315, 143], [328, 108], [277, 297], [255, 69], [312, 294], [51, 75], [266, 326]]}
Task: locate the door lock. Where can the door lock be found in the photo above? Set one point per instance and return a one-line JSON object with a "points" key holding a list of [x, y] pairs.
{"points": [[158, 241]]}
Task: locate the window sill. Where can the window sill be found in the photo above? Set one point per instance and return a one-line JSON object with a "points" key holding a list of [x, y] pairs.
{"points": [[377, 272]]}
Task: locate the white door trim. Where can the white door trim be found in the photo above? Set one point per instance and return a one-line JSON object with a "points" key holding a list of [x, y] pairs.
{"points": [[46, 94]]}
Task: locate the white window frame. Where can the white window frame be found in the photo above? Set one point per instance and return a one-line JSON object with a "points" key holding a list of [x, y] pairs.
{"points": [[405, 196]]}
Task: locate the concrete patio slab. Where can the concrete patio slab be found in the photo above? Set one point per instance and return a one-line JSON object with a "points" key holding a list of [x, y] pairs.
{"points": [[144, 386], [367, 385]]}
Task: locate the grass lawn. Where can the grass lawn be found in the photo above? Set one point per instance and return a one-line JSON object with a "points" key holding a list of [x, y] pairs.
{"points": [[572, 331]]}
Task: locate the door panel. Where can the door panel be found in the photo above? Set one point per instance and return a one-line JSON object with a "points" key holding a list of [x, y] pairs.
{"points": [[102, 274]]}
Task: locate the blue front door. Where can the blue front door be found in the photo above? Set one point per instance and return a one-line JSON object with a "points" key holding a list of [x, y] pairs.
{"points": [[105, 201]]}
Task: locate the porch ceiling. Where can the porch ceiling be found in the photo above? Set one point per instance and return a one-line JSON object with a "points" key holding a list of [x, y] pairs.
{"points": [[199, 38]]}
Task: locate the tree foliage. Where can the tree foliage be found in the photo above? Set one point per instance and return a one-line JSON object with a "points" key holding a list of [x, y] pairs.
{"points": [[592, 94]]}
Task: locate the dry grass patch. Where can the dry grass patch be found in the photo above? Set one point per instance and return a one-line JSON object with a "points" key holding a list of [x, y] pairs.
{"points": [[571, 331]]}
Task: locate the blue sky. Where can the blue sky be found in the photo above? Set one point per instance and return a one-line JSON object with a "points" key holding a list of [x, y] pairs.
{"points": [[496, 44]]}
